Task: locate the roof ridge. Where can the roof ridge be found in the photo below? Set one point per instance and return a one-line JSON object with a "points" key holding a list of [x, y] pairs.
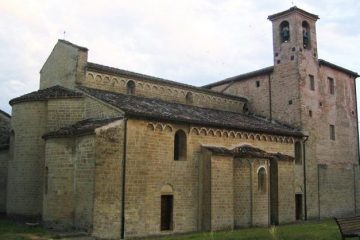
{"points": [[72, 44], [46, 93], [294, 8], [332, 65], [5, 113], [243, 76]]}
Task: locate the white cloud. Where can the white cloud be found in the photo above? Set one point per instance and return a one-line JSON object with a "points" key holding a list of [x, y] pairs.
{"points": [[194, 42]]}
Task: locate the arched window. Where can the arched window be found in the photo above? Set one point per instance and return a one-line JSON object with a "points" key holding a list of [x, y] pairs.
{"points": [[130, 87], [298, 153], [306, 34], [189, 98], [180, 145], [284, 31], [262, 180]]}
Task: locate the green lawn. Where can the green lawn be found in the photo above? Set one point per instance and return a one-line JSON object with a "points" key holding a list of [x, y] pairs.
{"points": [[13, 231], [324, 230]]}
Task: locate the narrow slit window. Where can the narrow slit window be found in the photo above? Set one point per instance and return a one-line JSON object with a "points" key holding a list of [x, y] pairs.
{"points": [[130, 87], [312, 82], [180, 145], [298, 153], [262, 180], [257, 83], [332, 132], [331, 86]]}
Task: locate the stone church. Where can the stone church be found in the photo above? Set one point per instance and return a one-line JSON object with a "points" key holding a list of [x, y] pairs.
{"points": [[120, 154]]}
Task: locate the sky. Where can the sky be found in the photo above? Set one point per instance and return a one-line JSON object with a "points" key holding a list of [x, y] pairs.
{"points": [[193, 42]]}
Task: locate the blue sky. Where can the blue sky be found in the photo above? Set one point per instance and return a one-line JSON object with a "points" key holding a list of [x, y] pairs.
{"points": [[194, 42]]}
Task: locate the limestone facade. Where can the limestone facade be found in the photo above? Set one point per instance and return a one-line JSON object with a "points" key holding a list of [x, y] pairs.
{"points": [[123, 155]]}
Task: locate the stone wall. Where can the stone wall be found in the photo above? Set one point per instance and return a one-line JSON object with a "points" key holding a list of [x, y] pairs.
{"points": [[336, 193], [97, 109], [109, 157], [222, 193], [65, 66], [59, 187], [251, 203], [286, 191], [4, 158], [150, 166], [69, 183], [25, 174], [63, 112], [167, 92], [258, 95]]}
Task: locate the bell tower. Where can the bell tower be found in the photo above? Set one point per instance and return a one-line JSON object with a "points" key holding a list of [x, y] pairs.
{"points": [[294, 34], [295, 53]]}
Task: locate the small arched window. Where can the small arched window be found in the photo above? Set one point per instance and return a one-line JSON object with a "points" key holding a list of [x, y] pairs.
{"points": [[130, 87], [284, 31], [306, 34], [189, 98], [262, 180], [180, 145], [298, 153]]}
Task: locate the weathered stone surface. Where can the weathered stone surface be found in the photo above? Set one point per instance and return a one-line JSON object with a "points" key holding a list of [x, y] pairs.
{"points": [[100, 152]]}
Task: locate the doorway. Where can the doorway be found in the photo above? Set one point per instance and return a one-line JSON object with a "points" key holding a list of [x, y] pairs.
{"points": [[274, 198], [166, 212], [298, 206]]}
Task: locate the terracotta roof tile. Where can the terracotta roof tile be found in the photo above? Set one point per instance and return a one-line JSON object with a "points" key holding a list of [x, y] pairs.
{"points": [[247, 151], [83, 127], [47, 93], [158, 109], [260, 72]]}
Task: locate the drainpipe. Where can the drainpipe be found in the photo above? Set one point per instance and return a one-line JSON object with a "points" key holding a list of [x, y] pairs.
{"points": [[270, 101], [354, 179], [357, 141], [251, 194], [318, 189], [304, 166], [122, 230]]}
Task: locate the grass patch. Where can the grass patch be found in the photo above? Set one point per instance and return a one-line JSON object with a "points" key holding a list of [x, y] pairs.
{"points": [[16, 231], [323, 230]]}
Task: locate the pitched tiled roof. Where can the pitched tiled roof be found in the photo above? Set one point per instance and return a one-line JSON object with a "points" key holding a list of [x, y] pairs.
{"points": [[247, 151], [157, 109], [293, 9], [47, 93], [341, 69], [4, 137], [111, 70], [240, 77], [83, 127], [5, 114], [72, 44]]}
